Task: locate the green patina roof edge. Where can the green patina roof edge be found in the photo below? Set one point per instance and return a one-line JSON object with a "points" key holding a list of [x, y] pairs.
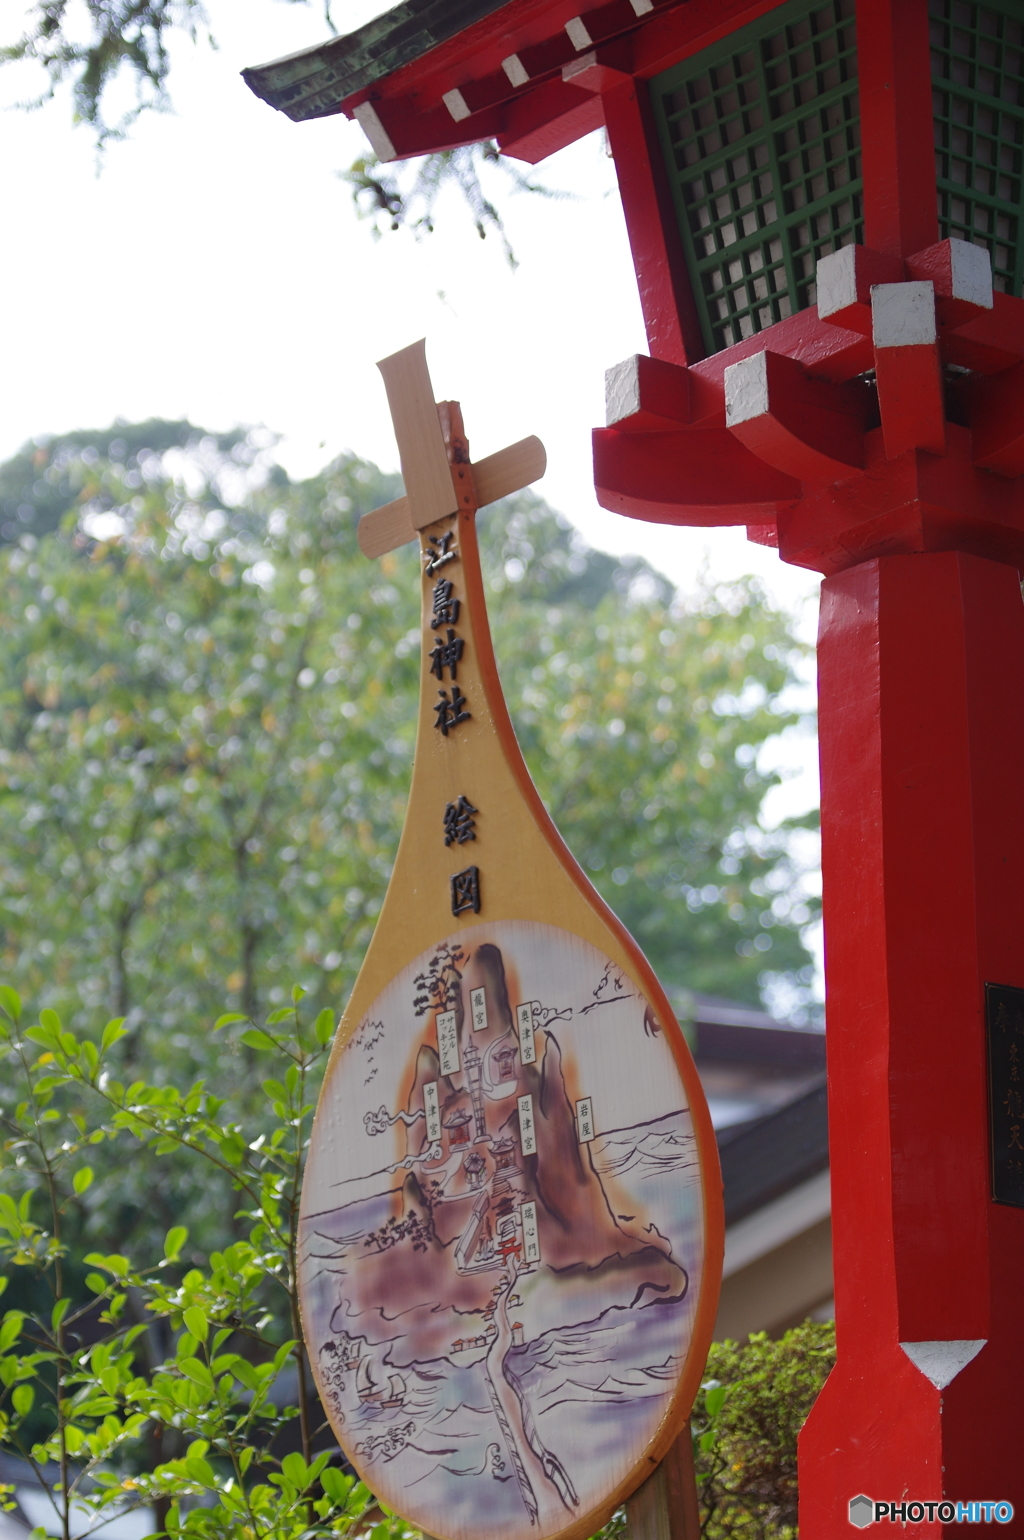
{"points": [[315, 82]]}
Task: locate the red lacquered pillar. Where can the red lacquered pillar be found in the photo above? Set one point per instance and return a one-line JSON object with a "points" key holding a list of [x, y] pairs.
{"points": [[921, 673]]}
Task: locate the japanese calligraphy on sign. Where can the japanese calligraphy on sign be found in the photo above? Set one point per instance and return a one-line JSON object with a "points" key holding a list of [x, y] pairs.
{"points": [[450, 712], [432, 1111], [527, 1129], [465, 888], [448, 1043], [459, 822], [478, 1005], [446, 655], [531, 1234], [446, 606], [584, 1120], [1004, 1015], [524, 1025], [439, 551]]}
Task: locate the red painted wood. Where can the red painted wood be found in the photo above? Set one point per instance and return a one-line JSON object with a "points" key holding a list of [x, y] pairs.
{"points": [[921, 674], [917, 503], [910, 398], [996, 407], [708, 473], [670, 317], [810, 430], [685, 30], [547, 120], [893, 63]]}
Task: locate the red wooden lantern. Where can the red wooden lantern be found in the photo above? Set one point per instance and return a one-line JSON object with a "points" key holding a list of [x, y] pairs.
{"points": [[824, 204]]}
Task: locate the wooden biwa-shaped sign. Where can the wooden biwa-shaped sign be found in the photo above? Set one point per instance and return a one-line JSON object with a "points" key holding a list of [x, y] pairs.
{"points": [[511, 1218]]}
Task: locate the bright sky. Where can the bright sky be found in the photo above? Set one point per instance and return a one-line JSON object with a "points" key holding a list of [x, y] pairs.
{"points": [[214, 270]]}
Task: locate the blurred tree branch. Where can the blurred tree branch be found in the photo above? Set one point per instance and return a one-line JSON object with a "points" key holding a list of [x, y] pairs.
{"points": [[94, 45]]}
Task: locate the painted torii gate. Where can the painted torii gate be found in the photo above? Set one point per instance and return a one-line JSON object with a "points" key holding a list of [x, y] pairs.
{"points": [[823, 200]]}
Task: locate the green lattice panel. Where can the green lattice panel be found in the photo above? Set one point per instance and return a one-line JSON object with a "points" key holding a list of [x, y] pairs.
{"points": [[978, 101], [761, 137]]}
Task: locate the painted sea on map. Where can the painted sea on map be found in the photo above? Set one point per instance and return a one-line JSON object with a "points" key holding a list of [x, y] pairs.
{"points": [[502, 1234]]}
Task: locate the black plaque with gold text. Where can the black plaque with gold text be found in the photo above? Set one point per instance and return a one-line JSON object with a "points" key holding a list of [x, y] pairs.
{"points": [[1004, 1019]]}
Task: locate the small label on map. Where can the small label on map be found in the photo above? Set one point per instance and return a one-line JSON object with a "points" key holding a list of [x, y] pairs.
{"points": [[527, 1127], [448, 1043], [432, 1112], [524, 1021], [584, 1120], [531, 1235], [478, 1005]]}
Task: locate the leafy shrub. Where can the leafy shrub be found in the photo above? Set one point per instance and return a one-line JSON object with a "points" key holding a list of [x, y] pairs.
{"points": [[753, 1404], [176, 1380]]}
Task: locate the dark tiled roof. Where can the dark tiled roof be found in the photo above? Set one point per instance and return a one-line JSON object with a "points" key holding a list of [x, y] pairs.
{"points": [[314, 83], [763, 1160]]}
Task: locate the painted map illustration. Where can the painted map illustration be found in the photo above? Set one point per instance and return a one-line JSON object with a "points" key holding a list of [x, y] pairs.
{"points": [[502, 1234]]}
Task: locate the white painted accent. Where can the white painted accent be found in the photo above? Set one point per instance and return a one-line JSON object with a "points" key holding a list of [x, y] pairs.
{"points": [[580, 66], [971, 272], [579, 37], [641, 7], [777, 1222], [515, 69], [746, 389], [380, 143], [836, 280], [622, 390], [456, 104], [941, 1362], [903, 314]]}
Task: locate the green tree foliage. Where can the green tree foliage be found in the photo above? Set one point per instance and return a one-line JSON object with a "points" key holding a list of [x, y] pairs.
{"points": [[745, 1428], [174, 1379], [206, 725]]}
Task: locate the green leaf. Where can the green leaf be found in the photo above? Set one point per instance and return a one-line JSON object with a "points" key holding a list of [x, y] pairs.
{"points": [[196, 1323], [22, 1399], [112, 1033], [226, 1021], [200, 1471], [336, 1484], [10, 1003], [714, 1399], [10, 1331], [59, 1311], [197, 1372], [324, 1026], [82, 1179], [297, 993], [173, 1242], [284, 1013], [293, 1467], [254, 1038]]}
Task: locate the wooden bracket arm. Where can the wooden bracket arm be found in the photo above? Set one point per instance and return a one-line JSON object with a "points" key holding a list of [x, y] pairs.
{"points": [[908, 368], [809, 429]]}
